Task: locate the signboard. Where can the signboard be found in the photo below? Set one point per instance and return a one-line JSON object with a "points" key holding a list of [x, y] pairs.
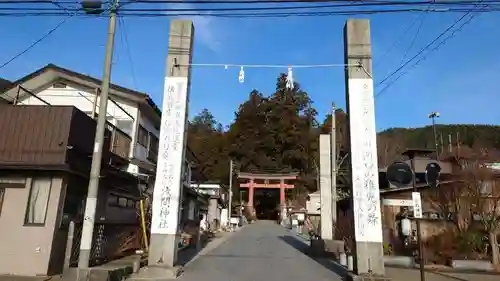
{"points": [[397, 202], [417, 205], [169, 174], [366, 195]]}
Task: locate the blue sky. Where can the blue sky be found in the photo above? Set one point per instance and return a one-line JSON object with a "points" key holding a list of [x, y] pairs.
{"points": [[459, 79]]}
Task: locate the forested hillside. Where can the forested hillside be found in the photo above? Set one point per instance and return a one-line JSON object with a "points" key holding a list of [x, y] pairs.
{"points": [[278, 132]]}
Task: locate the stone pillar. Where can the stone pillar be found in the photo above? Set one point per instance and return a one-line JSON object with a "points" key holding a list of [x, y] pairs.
{"points": [[168, 186], [325, 188], [282, 192], [369, 256], [251, 193], [282, 199]]}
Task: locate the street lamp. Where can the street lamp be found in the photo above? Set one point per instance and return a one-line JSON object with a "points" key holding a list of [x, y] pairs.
{"points": [[433, 116]]}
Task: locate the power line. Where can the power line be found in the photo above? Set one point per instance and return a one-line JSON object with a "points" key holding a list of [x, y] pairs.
{"points": [[424, 48], [282, 1], [421, 23], [453, 33], [265, 14], [425, 57], [32, 45], [431, 43], [398, 40], [268, 65], [124, 37], [461, 3], [314, 10], [45, 36]]}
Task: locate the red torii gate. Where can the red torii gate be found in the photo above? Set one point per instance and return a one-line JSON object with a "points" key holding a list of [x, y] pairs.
{"points": [[275, 180]]}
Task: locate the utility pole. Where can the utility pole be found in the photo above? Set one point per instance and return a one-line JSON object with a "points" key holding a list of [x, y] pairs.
{"points": [[441, 141], [333, 140], [450, 147], [417, 221], [91, 202], [433, 116], [230, 191]]}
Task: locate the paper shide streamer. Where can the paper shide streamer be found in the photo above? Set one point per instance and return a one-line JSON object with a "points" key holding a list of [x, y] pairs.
{"points": [[289, 79], [289, 76], [241, 76]]}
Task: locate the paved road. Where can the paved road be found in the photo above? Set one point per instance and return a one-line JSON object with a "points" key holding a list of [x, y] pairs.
{"points": [[258, 252]]}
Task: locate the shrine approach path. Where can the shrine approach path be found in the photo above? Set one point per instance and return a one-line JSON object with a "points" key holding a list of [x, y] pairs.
{"points": [[260, 251]]}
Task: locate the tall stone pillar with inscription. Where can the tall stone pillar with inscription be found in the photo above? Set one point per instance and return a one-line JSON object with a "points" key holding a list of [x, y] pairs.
{"points": [[362, 133], [325, 188], [168, 185]]}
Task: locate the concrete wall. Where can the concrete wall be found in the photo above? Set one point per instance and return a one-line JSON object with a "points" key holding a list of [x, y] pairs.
{"points": [[313, 204], [26, 249], [421, 163], [212, 210]]}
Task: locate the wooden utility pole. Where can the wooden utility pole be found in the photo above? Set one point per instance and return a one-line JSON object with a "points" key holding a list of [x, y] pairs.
{"points": [[95, 170], [442, 142], [450, 145]]}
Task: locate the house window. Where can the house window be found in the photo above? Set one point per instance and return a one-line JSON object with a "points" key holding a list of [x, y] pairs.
{"points": [[125, 126], [116, 200], [112, 200], [38, 200], [122, 202], [153, 148], [130, 204], [142, 136]]}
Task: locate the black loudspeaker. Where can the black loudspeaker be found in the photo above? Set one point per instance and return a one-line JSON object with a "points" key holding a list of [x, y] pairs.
{"points": [[92, 6], [399, 174], [432, 172]]}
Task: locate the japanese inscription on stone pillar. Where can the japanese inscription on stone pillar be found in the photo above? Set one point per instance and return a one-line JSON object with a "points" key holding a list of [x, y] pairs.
{"points": [[167, 189], [366, 196]]}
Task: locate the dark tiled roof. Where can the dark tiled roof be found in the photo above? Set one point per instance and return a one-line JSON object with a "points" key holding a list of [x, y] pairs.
{"points": [[54, 67], [5, 84]]}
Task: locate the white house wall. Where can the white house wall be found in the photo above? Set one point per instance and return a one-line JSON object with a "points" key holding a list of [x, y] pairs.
{"points": [[84, 101]]}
